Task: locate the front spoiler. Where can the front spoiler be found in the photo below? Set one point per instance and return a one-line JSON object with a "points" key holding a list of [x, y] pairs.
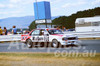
{"points": [[70, 42]]}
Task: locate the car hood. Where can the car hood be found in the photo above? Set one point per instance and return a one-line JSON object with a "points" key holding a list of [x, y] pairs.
{"points": [[64, 35]]}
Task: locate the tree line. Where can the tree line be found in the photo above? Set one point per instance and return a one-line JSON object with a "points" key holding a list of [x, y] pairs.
{"points": [[69, 21]]}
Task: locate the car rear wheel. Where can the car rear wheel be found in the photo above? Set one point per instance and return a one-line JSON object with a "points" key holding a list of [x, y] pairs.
{"points": [[29, 43]]}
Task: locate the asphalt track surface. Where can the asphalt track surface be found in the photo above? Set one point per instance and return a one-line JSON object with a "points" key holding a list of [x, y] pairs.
{"points": [[85, 45]]}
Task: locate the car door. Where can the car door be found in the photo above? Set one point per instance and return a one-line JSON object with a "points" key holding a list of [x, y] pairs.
{"points": [[43, 37], [37, 36]]}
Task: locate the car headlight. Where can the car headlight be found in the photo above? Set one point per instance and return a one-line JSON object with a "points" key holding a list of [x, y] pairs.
{"points": [[64, 38]]}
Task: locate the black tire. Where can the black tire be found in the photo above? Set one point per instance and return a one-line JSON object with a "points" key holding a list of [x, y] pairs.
{"points": [[55, 44], [29, 43], [42, 44]]}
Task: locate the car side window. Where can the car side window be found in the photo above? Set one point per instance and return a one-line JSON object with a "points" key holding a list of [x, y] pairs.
{"points": [[51, 32], [35, 32]]}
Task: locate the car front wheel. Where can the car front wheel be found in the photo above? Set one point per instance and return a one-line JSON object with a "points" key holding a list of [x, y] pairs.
{"points": [[55, 44]]}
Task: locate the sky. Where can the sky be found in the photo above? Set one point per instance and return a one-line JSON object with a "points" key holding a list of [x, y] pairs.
{"points": [[19, 8]]}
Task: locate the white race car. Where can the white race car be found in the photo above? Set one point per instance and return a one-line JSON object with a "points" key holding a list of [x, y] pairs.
{"points": [[52, 36]]}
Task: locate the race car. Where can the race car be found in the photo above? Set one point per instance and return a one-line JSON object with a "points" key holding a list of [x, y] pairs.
{"points": [[52, 36]]}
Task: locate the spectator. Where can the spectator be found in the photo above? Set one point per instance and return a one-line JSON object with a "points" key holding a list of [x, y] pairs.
{"points": [[14, 30], [41, 32], [5, 31], [67, 29], [0, 31], [58, 28], [63, 28]]}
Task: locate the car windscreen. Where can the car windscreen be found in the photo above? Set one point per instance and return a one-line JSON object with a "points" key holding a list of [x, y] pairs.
{"points": [[55, 32]]}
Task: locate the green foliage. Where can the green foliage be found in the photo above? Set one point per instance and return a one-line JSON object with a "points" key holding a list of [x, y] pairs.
{"points": [[60, 21], [32, 25], [69, 21]]}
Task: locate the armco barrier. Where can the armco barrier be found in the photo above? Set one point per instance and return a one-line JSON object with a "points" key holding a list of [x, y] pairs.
{"points": [[79, 34], [10, 37], [85, 34]]}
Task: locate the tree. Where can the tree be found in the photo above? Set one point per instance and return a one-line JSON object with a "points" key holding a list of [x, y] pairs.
{"points": [[69, 21], [32, 25]]}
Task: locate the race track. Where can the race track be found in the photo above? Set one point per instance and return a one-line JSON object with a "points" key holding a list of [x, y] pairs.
{"points": [[86, 45]]}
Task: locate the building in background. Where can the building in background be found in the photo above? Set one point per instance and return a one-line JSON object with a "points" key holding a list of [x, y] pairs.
{"points": [[87, 24]]}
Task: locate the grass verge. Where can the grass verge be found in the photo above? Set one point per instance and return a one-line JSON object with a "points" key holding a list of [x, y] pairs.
{"points": [[46, 59]]}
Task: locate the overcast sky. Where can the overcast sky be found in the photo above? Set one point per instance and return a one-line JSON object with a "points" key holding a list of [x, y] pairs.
{"points": [[18, 8]]}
